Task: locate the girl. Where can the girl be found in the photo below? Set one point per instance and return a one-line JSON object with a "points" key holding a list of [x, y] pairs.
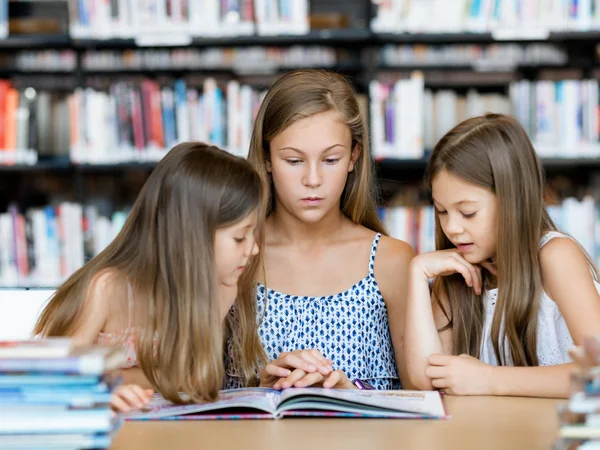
{"points": [[164, 287], [330, 279], [510, 294]]}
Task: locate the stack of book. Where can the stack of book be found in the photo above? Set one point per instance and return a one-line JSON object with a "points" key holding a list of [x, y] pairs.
{"points": [[580, 417], [54, 394]]}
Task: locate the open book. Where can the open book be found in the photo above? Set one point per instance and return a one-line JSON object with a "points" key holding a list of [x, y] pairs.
{"points": [[261, 403]]}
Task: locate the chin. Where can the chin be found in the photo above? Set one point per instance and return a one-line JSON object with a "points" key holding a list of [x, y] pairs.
{"points": [[230, 282], [473, 258]]}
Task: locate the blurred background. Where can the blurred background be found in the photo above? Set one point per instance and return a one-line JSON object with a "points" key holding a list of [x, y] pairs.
{"points": [[94, 92]]}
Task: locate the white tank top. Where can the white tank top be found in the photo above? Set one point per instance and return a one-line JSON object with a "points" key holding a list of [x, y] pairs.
{"points": [[553, 337]]}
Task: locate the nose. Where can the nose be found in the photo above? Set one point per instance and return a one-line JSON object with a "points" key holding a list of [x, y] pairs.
{"points": [[254, 249], [312, 176], [454, 225]]}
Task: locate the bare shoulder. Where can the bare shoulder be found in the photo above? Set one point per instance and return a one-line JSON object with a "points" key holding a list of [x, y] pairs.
{"points": [[392, 268], [107, 284], [564, 265], [554, 252], [107, 296], [393, 254]]}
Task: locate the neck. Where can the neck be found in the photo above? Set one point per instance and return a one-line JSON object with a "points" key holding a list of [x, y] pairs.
{"points": [[292, 230]]}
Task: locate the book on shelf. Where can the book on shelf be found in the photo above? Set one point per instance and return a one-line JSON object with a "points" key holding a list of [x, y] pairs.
{"points": [[176, 22], [43, 246], [262, 403], [141, 121], [505, 19], [561, 117], [481, 57]]}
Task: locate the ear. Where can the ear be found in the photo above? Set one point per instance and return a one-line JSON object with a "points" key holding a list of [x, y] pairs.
{"points": [[268, 165], [353, 158]]}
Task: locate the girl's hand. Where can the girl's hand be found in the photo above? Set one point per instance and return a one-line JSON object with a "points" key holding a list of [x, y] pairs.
{"points": [[130, 396], [300, 379], [448, 262], [309, 361], [460, 375]]}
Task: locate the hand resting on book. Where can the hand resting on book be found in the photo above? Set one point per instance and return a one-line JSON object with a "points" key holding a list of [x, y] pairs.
{"points": [[303, 368], [130, 396]]}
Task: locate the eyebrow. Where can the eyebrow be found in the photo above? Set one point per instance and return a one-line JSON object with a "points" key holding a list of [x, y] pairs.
{"points": [[461, 202], [301, 152]]}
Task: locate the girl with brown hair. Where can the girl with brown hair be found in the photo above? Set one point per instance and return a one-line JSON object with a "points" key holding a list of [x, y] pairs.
{"points": [[331, 278], [164, 287], [510, 295]]}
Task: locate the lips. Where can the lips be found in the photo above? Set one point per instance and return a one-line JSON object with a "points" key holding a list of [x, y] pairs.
{"points": [[464, 247], [311, 201]]}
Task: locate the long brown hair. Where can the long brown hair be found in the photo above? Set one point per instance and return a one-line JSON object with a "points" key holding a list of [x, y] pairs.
{"points": [[494, 152], [165, 253], [303, 93]]}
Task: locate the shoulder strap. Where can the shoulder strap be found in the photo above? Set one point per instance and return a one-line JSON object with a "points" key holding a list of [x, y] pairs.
{"points": [[373, 252], [551, 235]]}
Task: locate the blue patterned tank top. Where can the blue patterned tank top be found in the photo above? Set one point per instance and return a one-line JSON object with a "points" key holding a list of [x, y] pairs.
{"points": [[350, 328]]}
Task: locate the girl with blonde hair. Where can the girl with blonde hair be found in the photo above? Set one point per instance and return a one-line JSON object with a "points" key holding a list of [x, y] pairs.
{"points": [[511, 295], [164, 287], [331, 277]]}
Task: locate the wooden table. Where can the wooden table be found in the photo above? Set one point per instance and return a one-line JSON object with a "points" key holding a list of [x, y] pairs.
{"points": [[482, 423]]}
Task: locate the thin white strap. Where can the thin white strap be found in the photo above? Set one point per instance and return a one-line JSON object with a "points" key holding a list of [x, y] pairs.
{"points": [[551, 235]]}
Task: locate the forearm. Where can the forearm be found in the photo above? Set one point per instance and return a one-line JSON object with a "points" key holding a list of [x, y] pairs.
{"points": [[421, 335], [135, 375], [542, 381]]}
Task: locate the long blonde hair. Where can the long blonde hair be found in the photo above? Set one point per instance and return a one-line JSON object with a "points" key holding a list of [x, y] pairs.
{"points": [[165, 251], [494, 152], [303, 93]]}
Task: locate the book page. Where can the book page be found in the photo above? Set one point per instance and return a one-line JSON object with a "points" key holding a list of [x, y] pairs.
{"points": [[258, 399], [423, 403]]}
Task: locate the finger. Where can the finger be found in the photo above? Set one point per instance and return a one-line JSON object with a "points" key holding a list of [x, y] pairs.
{"points": [[458, 265], [296, 375], [128, 394], [309, 380], [294, 362], [469, 273], [315, 358], [479, 278], [325, 363], [436, 371], [118, 404], [277, 371], [440, 383], [439, 360], [579, 356], [141, 395], [337, 378], [592, 349], [475, 274]]}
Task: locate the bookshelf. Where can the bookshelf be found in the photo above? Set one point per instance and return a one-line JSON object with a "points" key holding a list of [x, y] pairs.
{"points": [[471, 60]]}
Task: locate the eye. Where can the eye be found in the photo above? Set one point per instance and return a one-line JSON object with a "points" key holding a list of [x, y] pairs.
{"points": [[239, 240], [331, 160], [293, 162], [442, 212], [469, 216]]}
